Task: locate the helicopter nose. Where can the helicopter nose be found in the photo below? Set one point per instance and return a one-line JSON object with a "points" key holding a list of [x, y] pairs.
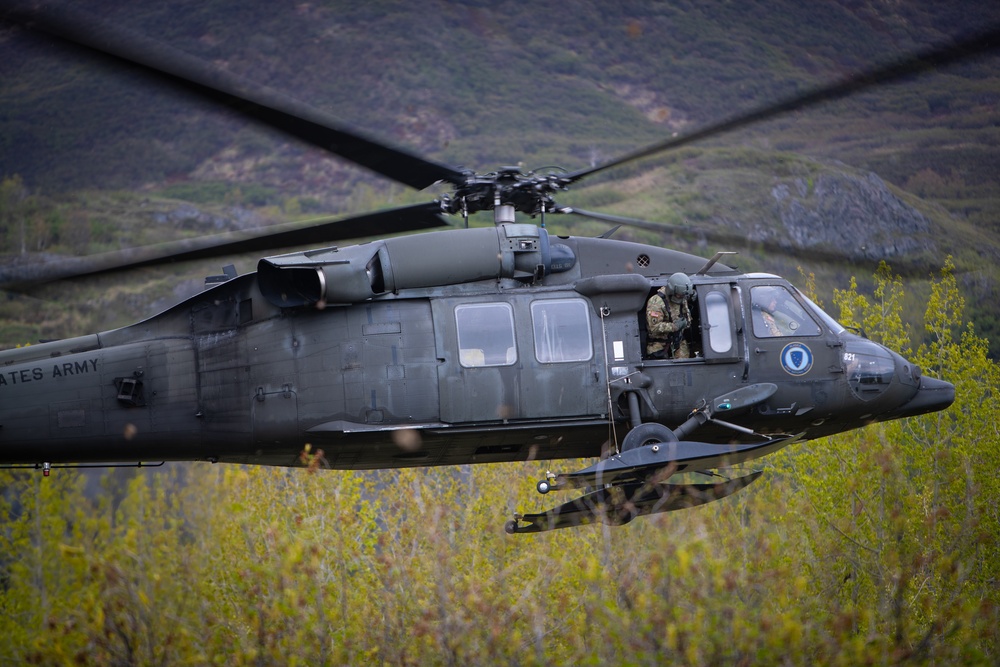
{"points": [[890, 384], [932, 395]]}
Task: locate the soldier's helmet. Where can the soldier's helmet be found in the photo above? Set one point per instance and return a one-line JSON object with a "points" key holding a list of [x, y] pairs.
{"points": [[679, 285]]}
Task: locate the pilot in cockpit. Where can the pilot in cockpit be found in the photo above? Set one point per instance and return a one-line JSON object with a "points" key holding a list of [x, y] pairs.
{"points": [[776, 313]]}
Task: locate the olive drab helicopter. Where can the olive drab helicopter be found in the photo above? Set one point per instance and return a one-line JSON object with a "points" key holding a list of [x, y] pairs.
{"points": [[455, 346]]}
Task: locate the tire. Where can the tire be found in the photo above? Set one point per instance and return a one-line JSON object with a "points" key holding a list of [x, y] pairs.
{"points": [[647, 434]]}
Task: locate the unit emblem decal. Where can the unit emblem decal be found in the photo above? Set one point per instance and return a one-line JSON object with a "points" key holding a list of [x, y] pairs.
{"points": [[796, 359]]}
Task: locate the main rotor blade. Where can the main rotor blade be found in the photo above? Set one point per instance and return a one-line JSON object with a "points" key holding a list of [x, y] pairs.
{"points": [[930, 59], [16, 276], [257, 102], [902, 266]]}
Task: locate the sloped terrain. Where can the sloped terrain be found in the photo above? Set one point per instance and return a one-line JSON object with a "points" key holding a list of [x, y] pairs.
{"points": [[904, 172]]}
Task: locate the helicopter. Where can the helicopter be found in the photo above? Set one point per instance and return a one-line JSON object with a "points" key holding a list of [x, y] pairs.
{"points": [[455, 346]]}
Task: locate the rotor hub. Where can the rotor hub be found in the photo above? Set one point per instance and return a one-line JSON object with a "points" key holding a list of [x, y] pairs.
{"points": [[527, 192]]}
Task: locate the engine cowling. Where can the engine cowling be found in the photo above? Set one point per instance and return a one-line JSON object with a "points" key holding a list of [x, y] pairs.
{"points": [[360, 272]]}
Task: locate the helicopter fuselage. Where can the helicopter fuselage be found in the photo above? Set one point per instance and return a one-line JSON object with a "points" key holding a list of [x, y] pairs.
{"points": [[526, 364]]}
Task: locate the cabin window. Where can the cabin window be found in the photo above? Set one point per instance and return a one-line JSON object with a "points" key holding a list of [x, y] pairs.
{"points": [[720, 325], [777, 314], [485, 334], [562, 330]]}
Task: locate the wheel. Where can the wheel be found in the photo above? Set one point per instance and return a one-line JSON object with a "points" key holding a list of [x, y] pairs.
{"points": [[647, 434], [510, 527], [544, 487]]}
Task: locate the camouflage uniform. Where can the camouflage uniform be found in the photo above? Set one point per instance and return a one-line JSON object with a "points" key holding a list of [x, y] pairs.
{"points": [[662, 335]]}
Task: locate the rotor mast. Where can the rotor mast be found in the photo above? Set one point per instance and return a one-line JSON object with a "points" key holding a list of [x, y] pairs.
{"points": [[505, 192]]}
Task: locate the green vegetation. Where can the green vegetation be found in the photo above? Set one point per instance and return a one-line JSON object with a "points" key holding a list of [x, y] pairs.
{"points": [[211, 192], [880, 546], [484, 85], [876, 547]]}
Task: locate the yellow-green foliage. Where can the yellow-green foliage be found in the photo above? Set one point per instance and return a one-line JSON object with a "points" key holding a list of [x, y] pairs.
{"points": [[880, 546]]}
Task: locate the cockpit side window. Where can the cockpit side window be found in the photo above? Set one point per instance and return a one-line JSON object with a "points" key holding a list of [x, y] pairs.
{"points": [[776, 313]]}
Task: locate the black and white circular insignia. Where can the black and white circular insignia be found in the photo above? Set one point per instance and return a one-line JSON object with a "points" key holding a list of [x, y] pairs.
{"points": [[796, 359]]}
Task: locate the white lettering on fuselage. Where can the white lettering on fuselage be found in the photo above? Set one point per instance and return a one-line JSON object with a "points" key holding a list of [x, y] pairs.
{"points": [[39, 373]]}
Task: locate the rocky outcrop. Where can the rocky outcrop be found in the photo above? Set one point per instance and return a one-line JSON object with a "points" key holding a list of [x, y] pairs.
{"points": [[855, 214], [189, 216]]}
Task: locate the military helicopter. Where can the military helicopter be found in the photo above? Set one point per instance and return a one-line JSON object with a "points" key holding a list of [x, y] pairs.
{"points": [[461, 346]]}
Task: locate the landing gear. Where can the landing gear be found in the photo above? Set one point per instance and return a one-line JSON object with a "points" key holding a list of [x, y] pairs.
{"points": [[634, 482], [546, 484], [619, 503], [647, 434]]}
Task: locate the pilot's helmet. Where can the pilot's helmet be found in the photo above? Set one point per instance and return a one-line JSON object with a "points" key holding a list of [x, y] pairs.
{"points": [[679, 285]]}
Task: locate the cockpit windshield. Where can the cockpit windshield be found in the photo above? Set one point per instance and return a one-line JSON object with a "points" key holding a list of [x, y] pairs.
{"points": [[834, 326]]}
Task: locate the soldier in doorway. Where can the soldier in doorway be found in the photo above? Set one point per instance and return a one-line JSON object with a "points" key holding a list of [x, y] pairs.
{"points": [[668, 318]]}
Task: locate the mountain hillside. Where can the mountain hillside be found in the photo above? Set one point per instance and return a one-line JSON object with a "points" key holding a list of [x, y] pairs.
{"points": [[488, 83], [905, 172]]}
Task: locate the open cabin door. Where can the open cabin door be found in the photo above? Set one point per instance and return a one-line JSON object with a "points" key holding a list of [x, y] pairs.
{"points": [[721, 322]]}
